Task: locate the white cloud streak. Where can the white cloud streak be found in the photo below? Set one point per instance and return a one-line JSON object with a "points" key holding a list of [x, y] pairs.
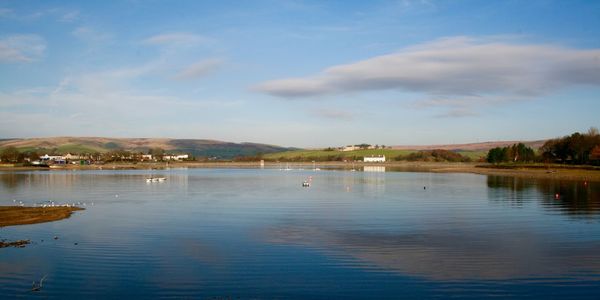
{"points": [[176, 38], [70, 16], [21, 48], [333, 114], [459, 66], [199, 69], [90, 35], [5, 12]]}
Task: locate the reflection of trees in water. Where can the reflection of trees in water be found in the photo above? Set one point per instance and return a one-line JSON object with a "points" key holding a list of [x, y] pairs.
{"points": [[571, 197], [11, 181]]}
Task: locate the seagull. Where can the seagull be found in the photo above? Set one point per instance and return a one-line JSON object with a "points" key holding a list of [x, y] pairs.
{"points": [[36, 287]]}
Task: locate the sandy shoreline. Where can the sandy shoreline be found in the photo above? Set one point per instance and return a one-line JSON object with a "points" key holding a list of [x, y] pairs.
{"points": [[557, 172]]}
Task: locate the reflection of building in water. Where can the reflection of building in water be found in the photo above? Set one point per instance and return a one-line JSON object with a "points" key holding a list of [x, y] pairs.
{"points": [[374, 180], [374, 169], [179, 179]]}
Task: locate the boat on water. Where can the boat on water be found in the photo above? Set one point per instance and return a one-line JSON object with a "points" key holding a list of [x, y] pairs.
{"points": [[155, 179], [306, 184]]}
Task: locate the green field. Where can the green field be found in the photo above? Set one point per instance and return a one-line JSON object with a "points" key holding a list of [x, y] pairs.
{"points": [[390, 154], [64, 149], [474, 155], [78, 148]]}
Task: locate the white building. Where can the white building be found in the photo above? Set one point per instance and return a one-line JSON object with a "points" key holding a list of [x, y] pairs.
{"points": [[176, 157], [349, 148], [377, 159], [146, 156], [70, 156], [47, 157]]}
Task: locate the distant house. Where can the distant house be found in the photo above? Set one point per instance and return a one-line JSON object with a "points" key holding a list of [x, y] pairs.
{"points": [[47, 157], [146, 156], [70, 156], [377, 159], [175, 157], [349, 148], [57, 159]]}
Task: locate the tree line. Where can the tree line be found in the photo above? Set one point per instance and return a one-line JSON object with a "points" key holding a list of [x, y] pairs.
{"points": [[577, 149], [515, 153]]}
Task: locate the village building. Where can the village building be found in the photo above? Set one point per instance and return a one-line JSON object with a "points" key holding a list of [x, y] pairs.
{"points": [[176, 157], [57, 159], [376, 159], [146, 157], [70, 156]]}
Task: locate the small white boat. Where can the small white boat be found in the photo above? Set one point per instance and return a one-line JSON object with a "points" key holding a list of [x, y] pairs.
{"points": [[306, 184]]}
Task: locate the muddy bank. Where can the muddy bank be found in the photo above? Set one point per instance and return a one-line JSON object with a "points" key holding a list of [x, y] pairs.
{"points": [[16, 244], [21, 215]]}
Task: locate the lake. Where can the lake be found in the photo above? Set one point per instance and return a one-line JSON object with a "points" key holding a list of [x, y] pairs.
{"points": [[257, 233]]}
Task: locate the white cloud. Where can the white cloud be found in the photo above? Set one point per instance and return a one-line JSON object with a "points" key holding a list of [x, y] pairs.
{"points": [[5, 12], [101, 103], [91, 35], [459, 66], [458, 113], [333, 114], [199, 69], [21, 48], [176, 38], [70, 16]]}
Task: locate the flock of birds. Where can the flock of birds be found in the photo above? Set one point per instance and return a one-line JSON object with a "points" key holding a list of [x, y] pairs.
{"points": [[53, 204]]}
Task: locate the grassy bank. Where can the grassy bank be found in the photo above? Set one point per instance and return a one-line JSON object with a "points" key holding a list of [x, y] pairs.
{"points": [[321, 155]]}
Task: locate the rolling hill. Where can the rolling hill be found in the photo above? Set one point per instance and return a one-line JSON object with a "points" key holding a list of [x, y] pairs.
{"points": [[195, 147], [227, 150], [484, 146], [474, 151]]}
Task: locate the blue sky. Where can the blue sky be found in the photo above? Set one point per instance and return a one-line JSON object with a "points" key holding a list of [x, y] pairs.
{"points": [[300, 73]]}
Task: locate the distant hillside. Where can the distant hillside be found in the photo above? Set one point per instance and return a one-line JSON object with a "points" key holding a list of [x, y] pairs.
{"points": [[485, 146], [195, 147]]}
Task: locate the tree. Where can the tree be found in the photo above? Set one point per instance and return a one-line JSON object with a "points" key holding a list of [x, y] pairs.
{"points": [[32, 155], [595, 155], [576, 148], [496, 155], [157, 153], [11, 154]]}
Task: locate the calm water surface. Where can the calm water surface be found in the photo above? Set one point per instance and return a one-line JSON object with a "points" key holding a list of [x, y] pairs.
{"points": [[218, 233]]}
